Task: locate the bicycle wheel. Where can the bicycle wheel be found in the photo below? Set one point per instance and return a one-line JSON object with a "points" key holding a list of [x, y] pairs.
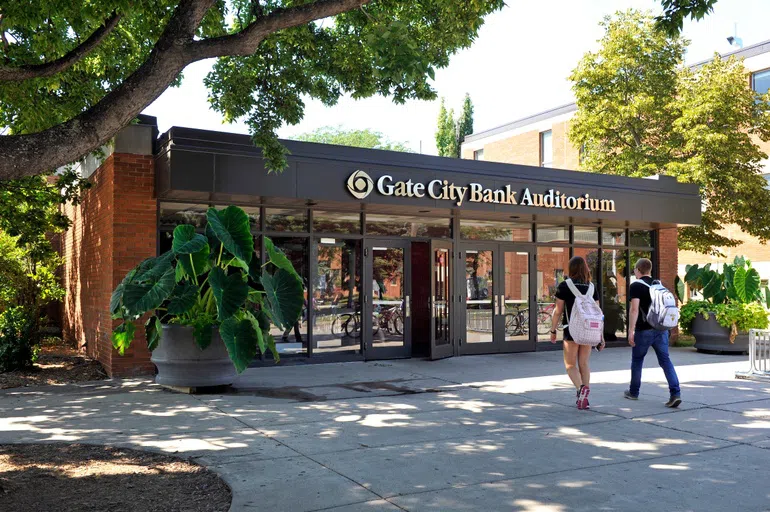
{"points": [[543, 323], [339, 323], [353, 326], [512, 324], [398, 322], [375, 324]]}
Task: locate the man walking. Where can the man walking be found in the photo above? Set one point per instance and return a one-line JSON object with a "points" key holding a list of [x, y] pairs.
{"points": [[642, 336]]}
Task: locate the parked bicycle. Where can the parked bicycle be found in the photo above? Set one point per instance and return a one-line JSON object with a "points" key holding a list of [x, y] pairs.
{"points": [[544, 314], [391, 319]]}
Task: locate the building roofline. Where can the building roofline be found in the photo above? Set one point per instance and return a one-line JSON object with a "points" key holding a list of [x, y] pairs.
{"points": [[749, 51], [524, 121]]}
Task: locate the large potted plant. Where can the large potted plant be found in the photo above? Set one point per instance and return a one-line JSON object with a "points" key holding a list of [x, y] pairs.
{"points": [[733, 302], [211, 301]]}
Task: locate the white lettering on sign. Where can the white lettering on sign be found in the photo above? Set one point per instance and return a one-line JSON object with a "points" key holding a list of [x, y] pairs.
{"points": [[476, 193]]}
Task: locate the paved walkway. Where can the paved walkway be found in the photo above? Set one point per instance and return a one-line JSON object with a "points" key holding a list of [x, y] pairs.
{"points": [[471, 433]]}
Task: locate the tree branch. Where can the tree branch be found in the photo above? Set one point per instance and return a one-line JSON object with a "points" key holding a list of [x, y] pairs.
{"points": [[13, 73], [21, 155], [247, 40]]}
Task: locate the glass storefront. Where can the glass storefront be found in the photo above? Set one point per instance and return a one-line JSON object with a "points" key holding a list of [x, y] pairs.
{"points": [[337, 297], [506, 276]]}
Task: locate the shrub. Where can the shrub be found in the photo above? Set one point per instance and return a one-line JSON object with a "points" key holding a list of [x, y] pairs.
{"points": [[19, 341]]}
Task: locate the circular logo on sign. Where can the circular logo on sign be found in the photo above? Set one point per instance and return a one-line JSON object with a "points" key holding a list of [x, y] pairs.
{"points": [[360, 184]]}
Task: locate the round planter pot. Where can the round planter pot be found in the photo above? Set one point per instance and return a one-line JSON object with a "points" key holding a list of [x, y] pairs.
{"points": [[712, 337], [181, 363]]}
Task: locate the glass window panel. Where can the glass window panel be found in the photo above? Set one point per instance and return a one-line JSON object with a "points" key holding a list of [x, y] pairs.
{"points": [[516, 297], [552, 267], [442, 298], [553, 234], [479, 308], [546, 149], [285, 219], [761, 81], [641, 238], [614, 302], [495, 230], [174, 214], [586, 235], [388, 296], [336, 222], [614, 236], [394, 225], [293, 341], [336, 297]]}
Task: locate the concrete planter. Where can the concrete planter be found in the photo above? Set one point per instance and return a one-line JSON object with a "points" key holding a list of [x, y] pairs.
{"points": [[181, 363], [712, 337]]}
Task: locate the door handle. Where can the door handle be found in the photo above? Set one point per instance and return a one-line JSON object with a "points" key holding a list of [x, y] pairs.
{"points": [[432, 306], [407, 314], [495, 306], [502, 305]]}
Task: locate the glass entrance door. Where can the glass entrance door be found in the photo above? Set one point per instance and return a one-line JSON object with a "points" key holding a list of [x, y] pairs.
{"points": [[441, 301], [494, 304], [387, 310]]}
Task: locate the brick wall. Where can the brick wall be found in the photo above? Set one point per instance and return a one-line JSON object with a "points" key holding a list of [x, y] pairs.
{"points": [[113, 229]]}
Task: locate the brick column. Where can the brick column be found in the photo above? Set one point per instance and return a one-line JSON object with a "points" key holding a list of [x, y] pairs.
{"points": [[667, 257], [134, 231], [113, 229]]}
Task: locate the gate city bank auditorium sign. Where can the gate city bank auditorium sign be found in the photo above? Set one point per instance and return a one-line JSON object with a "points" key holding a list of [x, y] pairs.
{"points": [[360, 185]]}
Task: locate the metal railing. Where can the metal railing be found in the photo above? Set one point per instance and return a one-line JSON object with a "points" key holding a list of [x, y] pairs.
{"points": [[759, 354]]}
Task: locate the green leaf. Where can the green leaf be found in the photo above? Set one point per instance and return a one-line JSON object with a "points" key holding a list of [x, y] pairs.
{"points": [[270, 341], [152, 330], [140, 298], [747, 283], [767, 297], [679, 289], [284, 297], [116, 300], [279, 259], [231, 227], [199, 260], [183, 299], [713, 286], [230, 292], [152, 269], [728, 271], [255, 268], [240, 338], [122, 337], [255, 324], [187, 241], [202, 331], [691, 276]]}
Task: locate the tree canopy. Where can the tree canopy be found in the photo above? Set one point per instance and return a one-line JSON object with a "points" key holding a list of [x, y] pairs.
{"points": [[74, 73], [451, 132], [356, 138], [641, 112]]}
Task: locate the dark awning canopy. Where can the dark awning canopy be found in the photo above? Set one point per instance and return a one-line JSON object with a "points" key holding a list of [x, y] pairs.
{"points": [[207, 166]]}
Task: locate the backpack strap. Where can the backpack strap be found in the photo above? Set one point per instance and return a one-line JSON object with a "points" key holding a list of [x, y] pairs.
{"points": [[572, 287]]}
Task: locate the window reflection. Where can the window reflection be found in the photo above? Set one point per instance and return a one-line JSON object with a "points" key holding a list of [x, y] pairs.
{"points": [[401, 225], [336, 222], [285, 219], [471, 229], [336, 297]]}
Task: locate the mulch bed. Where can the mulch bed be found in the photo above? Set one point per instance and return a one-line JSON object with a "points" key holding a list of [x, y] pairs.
{"points": [[57, 364], [90, 478]]}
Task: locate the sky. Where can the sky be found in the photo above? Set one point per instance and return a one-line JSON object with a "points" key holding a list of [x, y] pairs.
{"points": [[517, 66]]}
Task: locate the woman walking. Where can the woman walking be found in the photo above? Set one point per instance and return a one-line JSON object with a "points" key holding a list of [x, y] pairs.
{"points": [[575, 356]]}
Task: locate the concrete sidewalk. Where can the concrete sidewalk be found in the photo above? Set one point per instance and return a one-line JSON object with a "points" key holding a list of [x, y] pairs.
{"points": [[472, 433]]}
